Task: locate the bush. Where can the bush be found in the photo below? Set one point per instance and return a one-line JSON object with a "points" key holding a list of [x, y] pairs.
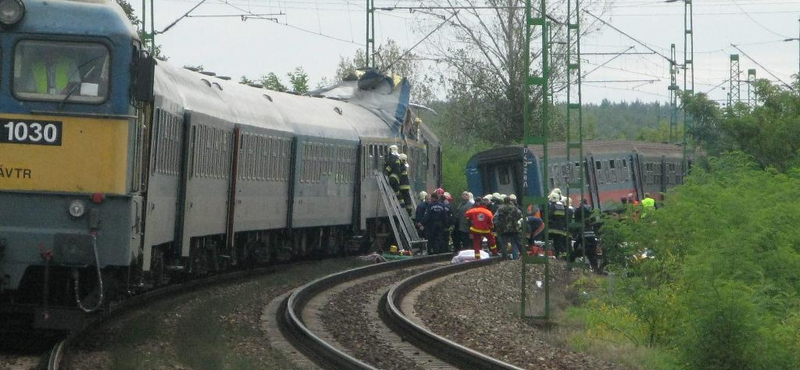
{"points": [[721, 290]]}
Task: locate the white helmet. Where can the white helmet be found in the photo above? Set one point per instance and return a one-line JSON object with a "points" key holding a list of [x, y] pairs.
{"points": [[393, 148], [422, 195], [403, 157]]}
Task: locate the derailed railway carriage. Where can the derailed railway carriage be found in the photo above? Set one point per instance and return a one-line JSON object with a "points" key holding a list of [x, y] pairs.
{"points": [[612, 170], [119, 171]]}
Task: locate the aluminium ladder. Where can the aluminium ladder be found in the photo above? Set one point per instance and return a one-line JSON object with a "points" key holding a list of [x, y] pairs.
{"points": [[403, 227]]}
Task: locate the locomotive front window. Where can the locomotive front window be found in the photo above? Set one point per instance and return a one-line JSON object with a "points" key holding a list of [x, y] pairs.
{"points": [[61, 71]]}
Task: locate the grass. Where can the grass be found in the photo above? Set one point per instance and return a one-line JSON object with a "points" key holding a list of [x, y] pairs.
{"points": [[568, 328]]}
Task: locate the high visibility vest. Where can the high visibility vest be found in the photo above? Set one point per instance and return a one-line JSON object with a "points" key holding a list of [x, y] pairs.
{"points": [[59, 80]]}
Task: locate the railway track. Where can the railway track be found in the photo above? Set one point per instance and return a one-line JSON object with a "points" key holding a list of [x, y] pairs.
{"points": [[60, 352], [416, 345]]}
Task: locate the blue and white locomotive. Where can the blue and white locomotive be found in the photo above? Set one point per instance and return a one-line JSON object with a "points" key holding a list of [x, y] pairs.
{"points": [[118, 170]]}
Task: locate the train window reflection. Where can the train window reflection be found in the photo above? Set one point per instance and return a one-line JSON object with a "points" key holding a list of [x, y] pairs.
{"points": [[61, 71]]}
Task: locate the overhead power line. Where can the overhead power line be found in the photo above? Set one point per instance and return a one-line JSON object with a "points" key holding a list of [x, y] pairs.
{"points": [[420, 41], [632, 38], [256, 16], [762, 67], [757, 22]]}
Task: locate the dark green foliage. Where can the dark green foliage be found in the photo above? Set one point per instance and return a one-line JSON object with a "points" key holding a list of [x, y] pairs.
{"points": [[769, 131], [299, 80], [272, 82], [721, 290]]}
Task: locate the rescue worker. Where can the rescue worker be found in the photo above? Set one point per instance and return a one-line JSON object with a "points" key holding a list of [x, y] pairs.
{"points": [[52, 76], [632, 200], [507, 222], [460, 224], [648, 205], [391, 168], [496, 201], [435, 224], [480, 219], [584, 213], [422, 207], [405, 185], [558, 224]]}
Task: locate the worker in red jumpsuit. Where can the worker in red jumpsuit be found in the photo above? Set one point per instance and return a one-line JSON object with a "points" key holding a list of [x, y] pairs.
{"points": [[480, 219]]}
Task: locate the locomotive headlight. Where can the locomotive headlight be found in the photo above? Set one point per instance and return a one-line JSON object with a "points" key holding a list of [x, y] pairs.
{"points": [[77, 208], [11, 11]]}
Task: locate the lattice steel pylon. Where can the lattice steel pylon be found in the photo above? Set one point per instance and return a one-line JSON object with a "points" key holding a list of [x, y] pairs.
{"points": [[575, 115], [751, 87], [688, 76], [673, 96], [533, 138], [734, 89], [370, 42]]}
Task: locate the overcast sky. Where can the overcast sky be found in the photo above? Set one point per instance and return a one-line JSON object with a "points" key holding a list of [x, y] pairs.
{"points": [[315, 33]]}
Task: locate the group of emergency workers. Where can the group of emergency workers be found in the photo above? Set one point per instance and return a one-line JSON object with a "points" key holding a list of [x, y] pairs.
{"points": [[495, 217]]}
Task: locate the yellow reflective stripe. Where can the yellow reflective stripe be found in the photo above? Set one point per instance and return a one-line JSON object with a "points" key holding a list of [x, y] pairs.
{"points": [[62, 75], [40, 77], [405, 187], [479, 231], [558, 232]]}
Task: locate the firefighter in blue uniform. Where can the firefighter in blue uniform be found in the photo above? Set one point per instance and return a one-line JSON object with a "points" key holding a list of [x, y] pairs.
{"points": [[436, 222]]}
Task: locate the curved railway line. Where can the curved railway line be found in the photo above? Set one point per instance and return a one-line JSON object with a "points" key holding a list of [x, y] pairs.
{"points": [[60, 351], [407, 336]]}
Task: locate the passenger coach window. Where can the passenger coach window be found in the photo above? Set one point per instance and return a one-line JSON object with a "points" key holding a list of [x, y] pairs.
{"points": [[58, 71], [503, 175]]}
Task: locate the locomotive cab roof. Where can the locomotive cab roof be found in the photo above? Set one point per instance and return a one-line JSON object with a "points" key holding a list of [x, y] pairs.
{"points": [[76, 18]]}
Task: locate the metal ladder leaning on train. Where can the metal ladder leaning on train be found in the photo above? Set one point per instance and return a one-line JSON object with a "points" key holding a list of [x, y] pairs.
{"points": [[120, 172]]}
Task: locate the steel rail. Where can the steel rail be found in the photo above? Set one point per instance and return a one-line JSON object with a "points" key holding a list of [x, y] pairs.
{"points": [[443, 348], [323, 353], [60, 352]]}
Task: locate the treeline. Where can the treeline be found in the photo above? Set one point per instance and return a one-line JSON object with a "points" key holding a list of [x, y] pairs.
{"points": [[718, 287]]}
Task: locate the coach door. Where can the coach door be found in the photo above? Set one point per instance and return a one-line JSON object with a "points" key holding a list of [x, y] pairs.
{"points": [[504, 177], [638, 177]]}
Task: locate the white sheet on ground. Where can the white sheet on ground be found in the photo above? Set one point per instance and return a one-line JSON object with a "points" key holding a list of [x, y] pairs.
{"points": [[468, 255]]}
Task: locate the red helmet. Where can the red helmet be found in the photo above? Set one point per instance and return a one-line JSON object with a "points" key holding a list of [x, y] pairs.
{"points": [[439, 191]]}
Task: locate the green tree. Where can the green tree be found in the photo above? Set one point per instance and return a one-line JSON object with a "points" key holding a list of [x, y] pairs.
{"points": [[299, 80], [722, 288], [272, 82], [245, 80], [483, 53]]}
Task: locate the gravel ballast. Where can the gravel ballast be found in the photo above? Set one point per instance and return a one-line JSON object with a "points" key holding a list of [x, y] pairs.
{"points": [[480, 309], [346, 318]]}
